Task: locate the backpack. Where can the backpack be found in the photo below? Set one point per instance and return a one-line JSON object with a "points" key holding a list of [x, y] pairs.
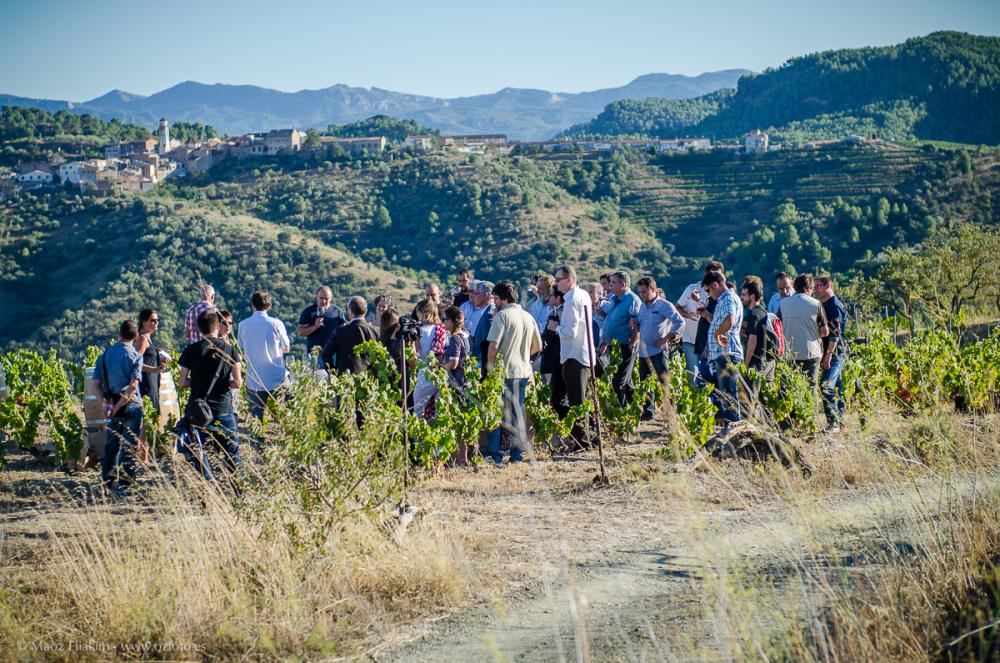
{"points": [[775, 335]]}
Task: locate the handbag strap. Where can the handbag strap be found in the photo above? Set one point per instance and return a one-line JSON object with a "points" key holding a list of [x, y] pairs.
{"points": [[218, 370]]}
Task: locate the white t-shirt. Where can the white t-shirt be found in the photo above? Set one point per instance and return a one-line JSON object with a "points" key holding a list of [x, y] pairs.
{"points": [[690, 305], [264, 342]]}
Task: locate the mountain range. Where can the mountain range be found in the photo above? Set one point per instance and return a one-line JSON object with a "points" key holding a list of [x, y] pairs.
{"points": [[525, 114]]}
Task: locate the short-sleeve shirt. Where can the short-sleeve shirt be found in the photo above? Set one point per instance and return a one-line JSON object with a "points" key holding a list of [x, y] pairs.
{"points": [[123, 365], [514, 331], [835, 317], [801, 318], [457, 348], [690, 305], [264, 342], [202, 359], [755, 325], [624, 310], [728, 304], [332, 316]]}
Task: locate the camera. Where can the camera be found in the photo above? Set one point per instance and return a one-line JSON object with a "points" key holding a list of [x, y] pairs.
{"points": [[409, 329]]}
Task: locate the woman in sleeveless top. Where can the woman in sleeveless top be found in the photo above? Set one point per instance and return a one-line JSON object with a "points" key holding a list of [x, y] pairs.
{"points": [[149, 385]]}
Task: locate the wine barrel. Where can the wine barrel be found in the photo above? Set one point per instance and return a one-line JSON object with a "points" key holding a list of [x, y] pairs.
{"points": [[169, 405], [97, 439], [93, 412]]}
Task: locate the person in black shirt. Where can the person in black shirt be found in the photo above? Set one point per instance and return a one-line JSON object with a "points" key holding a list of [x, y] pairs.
{"points": [[461, 294], [318, 321], [704, 322], [831, 382], [758, 355], [550, 356], [211, 368]]}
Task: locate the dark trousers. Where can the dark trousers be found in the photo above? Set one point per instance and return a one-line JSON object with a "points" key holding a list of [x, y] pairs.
{"points": [[809, 368], [194, 444], [622, 382], [558, 400], [647, 366], [118, 463], [577, 377]]}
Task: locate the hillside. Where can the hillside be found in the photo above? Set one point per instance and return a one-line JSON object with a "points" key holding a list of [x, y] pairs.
{"points": [[520, 113], [943, 86], [75, 268], [363, 225]]}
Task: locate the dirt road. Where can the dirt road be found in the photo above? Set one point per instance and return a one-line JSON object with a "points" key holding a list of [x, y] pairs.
{"points": [[650, 589]]}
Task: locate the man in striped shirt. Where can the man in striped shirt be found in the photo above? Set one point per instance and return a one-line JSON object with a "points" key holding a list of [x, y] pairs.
{"points": [[725, 352], [206, 303]]}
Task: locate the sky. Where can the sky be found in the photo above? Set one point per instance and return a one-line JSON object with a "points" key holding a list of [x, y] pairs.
{"points": [[77, 50]]}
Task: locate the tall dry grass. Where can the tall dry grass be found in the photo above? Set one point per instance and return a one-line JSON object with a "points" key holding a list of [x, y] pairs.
{"points": [[200, 580]]}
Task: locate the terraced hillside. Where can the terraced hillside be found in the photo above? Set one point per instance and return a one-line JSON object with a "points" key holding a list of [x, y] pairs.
{"points": [[72, 266]]}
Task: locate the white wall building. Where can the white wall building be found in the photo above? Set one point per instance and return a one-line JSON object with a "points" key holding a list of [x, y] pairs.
{"points": [[755, 141]]}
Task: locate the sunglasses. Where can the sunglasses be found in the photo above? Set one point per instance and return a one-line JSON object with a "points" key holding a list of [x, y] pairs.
{"points": [[155, 320]]}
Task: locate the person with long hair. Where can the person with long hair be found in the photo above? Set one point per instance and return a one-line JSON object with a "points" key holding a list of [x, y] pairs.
{"points": [[455, 355], [152, 363], [433, 339]]}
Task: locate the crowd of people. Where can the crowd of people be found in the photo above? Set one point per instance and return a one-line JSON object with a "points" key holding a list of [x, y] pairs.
{"points": [[564, 335]]}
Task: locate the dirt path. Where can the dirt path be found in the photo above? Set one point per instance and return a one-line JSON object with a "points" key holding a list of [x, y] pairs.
{"points": [[651, 593]]}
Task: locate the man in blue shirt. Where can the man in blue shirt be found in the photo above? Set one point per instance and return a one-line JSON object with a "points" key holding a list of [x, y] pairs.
{"points": [[831, 382], [659, 323], [783, 284], [618, 329], [119, 369], [724, 350]]}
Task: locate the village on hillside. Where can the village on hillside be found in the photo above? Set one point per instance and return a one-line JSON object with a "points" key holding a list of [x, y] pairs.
{"points": [[139, 165]]}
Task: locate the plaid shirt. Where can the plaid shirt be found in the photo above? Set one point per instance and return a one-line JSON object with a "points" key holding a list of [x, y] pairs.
{"points": [[727, 305], [191, 320]]}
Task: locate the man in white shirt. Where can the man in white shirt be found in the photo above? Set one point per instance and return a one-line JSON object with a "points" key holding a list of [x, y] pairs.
{"points": [[264, 341], [576, 344], [689, 304]]}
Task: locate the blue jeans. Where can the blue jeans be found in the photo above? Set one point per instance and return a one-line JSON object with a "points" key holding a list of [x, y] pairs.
{"points": [[514, 422], [831, 385], [691, 362], [119, 454], [727, 390], [222, 433], [258, 402]]}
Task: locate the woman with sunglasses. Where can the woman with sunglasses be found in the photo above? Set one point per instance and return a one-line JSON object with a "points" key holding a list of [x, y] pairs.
{"points": [[152, 363]]}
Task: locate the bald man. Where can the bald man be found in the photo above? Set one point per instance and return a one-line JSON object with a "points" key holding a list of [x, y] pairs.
{"points": [[318, 321]]}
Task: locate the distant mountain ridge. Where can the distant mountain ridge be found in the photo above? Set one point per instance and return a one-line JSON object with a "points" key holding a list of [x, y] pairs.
{"points": [[521, 113], [944, 86]]}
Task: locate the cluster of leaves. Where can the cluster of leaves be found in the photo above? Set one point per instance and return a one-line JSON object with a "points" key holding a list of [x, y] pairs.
{"points": [[929, 369], [545, 422], [459, 417], [622, 421], [195, 131], [39, 391], [693, 405], [788, 398]]}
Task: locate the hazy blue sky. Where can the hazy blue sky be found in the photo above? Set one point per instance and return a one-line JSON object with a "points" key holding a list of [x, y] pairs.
{"points": [[78, 50]]}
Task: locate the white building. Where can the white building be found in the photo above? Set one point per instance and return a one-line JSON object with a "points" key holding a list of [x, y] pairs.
{"points": [[35, 177], [683, 145], [419, 143], [69, 172], [755, 141]]}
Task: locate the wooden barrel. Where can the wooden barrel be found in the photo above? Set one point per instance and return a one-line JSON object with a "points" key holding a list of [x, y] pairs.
{"points": [[97, 438], [169, 405], [93, 412]]}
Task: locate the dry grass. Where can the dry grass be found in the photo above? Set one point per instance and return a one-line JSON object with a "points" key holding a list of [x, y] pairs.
{"points": [[200, 579], [188, 574]]}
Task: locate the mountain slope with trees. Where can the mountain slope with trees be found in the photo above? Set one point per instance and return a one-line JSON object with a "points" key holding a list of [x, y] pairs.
{"points": [[945, 86]]}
